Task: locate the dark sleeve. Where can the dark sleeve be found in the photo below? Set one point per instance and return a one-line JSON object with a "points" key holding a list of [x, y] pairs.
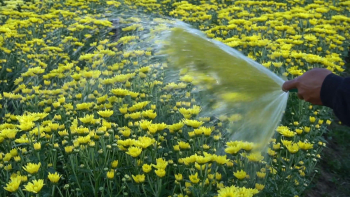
{"points": [[335, 93]]}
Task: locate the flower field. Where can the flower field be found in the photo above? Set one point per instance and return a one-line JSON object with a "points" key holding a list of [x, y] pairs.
{"points": [[86, 109]]}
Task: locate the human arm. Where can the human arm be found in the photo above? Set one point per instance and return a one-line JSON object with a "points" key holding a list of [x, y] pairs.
{"points": [[321, 87]]}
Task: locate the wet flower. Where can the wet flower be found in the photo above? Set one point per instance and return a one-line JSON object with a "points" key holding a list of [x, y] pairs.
{"points": [[240, 174], [139, 178], [259, 186], [110, 174], [160, 172], [32, 168], [105, 114], [134, 151], [54, 178], [37, 146], [194, 178], [114, 163], [292, 148], [178, 177], [146, 168], [13, 185], [34, 186]]}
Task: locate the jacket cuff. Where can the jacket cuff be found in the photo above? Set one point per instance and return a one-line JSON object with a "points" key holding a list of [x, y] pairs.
{"points": [[329, 88]]}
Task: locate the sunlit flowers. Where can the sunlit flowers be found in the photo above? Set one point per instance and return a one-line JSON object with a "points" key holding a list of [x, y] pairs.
{"points": [[34, 186], [237, 191], [292, 148], [312, 119], [13, 185], [37, 146], [178, 177], [283, 130], [114, 163], [194, 178], [160, 172], [54, 177], [146, 168], [134, 151], [110, 174], [105, 114], [241, 174], [32, 168], [139, 178]]}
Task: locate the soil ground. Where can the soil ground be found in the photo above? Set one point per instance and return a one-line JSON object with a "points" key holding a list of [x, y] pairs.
{"points": [[333, 179]]}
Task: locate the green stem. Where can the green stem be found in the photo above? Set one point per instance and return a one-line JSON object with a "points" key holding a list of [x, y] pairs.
{"points": [[53, 191], [143, 188], [59, 191], [109, 187], [159, 187], [21, 192], [75, 175], [149, 181]]}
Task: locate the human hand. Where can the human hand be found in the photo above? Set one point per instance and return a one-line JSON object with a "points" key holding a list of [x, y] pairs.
{"points": [[309, 85]]}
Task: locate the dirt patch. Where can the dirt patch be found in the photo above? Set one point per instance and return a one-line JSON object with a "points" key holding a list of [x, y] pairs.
{"points": [[333, 179]]}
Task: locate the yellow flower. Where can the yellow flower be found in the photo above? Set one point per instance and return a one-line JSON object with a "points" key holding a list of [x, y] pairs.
{"points": [[161, 164], [123, 110], [134, 151], [193, 123], [145, 142], [305, 145], [233, 149], [218, 176], [17, 158], [144, 124], [178, 177], [255, 157], [261, 174], [286, 142], [259, 186], [32, 168], [56, 104], [194, 178], [125, 132], [34, 186], [54, 178], [114, 164], [293, 148], [221, 159], [299, 131], [139, 178], [14, 152], [276, 146], [233, 191], [184, 145], [240, 174], [328, 122], [160, 172], [110, 174], [105, 114], [271, 152], [68, 149], [37, 146], [307, 129], [146, 168], [153, 128], [13, 185], [283, 130], [312, 119]]}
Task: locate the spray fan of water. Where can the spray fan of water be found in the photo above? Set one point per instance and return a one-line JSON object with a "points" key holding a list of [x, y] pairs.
{"points": [[238, 88]]}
